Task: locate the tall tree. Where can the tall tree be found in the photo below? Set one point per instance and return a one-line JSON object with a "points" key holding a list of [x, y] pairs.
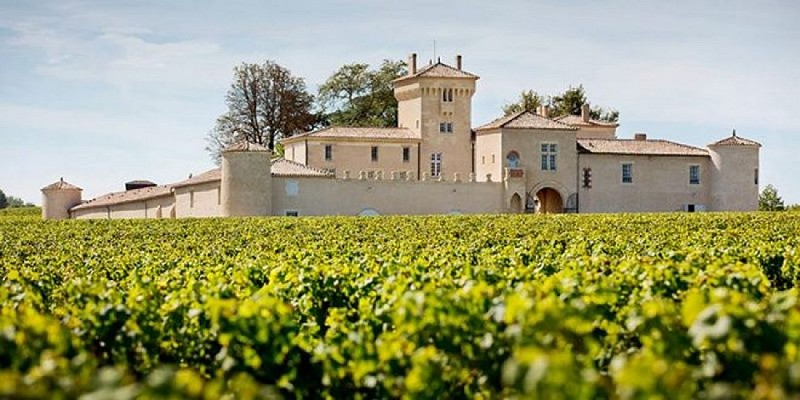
{"points": [[265, 103], [3, 200], [769, 200], [355, 95], [529, 100]]}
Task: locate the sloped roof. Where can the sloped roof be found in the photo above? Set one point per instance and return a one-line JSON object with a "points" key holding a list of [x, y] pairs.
{"points": [[734, 140], [208, 176], [439, 70], [577, 120], [126, 197], [526, 120], [656, 147], [61, 185], [284, 167], [357, 133], [244, 145]]}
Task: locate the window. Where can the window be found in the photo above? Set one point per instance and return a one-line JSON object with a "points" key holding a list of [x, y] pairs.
{"points": [[374, 153], [328, 152], [512, 160], [291, 213], [445, 127], [436, 164], [549, 153], [755, 177], [483, 160], [627, 173], [694, 174], [447, 95], [406, 154]]}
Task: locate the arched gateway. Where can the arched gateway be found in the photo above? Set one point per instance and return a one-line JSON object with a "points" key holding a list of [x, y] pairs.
{"points": [[550, 201]]}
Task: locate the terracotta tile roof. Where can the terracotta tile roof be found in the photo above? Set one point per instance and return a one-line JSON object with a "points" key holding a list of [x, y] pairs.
{"points": [[244, 145], [208, 176], [284, 167], [439, 70], [526, 120], [577, 120], [358, 133], [126, 197], [654, 147], [61, 185], [734, 140]]}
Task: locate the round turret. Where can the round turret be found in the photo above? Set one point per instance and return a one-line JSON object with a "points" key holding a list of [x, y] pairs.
{"points": [[734, 174], [246, 180], [58, 198]]}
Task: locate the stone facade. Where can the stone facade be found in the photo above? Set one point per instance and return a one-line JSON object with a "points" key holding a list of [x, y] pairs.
{"points": [[435, 163]]}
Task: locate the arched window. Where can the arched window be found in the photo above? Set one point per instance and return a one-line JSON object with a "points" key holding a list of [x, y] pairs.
{"points": [[512, 160]]}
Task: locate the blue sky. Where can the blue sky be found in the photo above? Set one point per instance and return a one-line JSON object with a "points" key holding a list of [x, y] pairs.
{"points": [[101, 93]]}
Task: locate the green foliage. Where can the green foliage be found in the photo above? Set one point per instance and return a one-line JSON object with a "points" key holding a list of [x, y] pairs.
{"points": [[3, 200], [768, 199], [572, 306], [567, 103], [27, 211], [529, 100], [355, 95]]}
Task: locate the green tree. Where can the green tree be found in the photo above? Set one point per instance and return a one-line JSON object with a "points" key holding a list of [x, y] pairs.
{"points": [[265, 103], [567, 103], [16, 202], [571, 101], [356, 95], [3, 200], [529, 100], [769, 200]]}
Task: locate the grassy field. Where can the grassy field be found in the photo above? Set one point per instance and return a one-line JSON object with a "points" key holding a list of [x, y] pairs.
{"points": [[570, 306]]}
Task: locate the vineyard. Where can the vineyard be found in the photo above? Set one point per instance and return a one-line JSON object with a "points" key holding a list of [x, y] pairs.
{"points": [[573, 307]]}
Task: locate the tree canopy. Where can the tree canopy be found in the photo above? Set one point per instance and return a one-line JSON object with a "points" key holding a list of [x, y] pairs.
{"points": [[3, 200], [567, 103], [768, 200], [265, 103], [356, 95]]}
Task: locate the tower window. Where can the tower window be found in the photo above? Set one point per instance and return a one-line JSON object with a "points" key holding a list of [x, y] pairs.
{"points": [[755, 176], [627, 173], [328, 152], [445, 127], [694, 174], [436, 164], [549, 155], [447, 95], [374, 153], [406, 154]]}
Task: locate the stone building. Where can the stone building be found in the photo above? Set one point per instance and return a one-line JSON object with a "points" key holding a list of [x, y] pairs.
{"points": [[434, 162]]}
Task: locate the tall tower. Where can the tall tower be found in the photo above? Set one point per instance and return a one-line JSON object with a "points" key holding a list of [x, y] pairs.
{"points": [[246, 187], [734, 174], [58, 198], [436, 103]]}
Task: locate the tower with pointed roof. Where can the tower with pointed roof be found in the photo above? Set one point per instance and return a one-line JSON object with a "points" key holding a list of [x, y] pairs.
{"points": [[246, 184], [435, 102], [58, 198], [734, 174]]}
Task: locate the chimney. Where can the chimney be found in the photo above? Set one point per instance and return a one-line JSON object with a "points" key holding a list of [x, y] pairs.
{"points": [[545, 111], [412, 64], [641, 137], [585, 113], [458, 62]]}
